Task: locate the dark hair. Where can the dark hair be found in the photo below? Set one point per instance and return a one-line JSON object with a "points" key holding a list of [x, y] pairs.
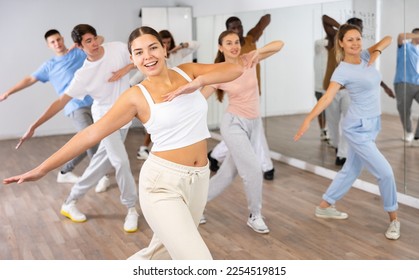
{"points": [[138, 32], [339, 37], [415, 30], [80, 30], [50, 33], [356, 21], [165, 34], [230, 20], [221, 58]]}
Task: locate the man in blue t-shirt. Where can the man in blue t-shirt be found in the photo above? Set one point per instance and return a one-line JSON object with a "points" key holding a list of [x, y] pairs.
{"points": [[406, 81], [59, 70]]}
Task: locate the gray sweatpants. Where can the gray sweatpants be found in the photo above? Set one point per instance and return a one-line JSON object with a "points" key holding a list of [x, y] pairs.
{"points": [[405, 94], [81, 119], [242, 137], [110, 154]]}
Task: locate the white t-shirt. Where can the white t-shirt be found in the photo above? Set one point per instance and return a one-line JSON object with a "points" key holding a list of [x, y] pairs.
{"points": [[92, 79], [320, 63]]}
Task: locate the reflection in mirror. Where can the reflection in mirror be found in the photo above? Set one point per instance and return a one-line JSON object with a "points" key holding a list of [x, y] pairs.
{"points": [[287, 83], [408, 86]]}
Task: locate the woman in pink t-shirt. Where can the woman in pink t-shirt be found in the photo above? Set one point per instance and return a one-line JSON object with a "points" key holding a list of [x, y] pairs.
{"points": [[241, 127]]}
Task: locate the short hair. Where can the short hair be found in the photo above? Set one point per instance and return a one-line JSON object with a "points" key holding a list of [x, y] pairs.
{"points": [[354, 21], [50, 33], [80, 30], [415, 30], [230, 20]]}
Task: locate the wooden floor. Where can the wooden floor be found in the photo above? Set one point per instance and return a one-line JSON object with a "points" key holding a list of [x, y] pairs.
{"points": [[32, 228]]}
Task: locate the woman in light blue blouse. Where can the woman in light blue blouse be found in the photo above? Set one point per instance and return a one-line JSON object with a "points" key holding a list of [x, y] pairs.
{"points": [[356, 72]]}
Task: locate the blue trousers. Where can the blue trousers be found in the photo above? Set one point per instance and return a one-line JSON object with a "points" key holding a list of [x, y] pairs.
{"points": [[363, 153]]}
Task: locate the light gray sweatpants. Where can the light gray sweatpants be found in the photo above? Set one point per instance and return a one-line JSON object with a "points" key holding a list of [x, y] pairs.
{"points": [[242, 137], [81, 119], [110, 154], [405, 94]]}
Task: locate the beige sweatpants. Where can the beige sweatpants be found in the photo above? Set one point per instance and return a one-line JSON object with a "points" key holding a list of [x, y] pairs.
{"points": [[172, 199]]}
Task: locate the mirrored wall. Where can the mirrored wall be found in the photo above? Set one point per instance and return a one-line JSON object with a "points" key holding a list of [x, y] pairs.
{"points": [[288, 78]]}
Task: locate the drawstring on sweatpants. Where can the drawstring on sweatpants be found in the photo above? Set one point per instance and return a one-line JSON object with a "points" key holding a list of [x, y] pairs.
{"points": [[193, 175]]}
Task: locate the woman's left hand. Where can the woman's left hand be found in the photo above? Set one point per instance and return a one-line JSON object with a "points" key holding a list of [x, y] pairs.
{"points": [[187, 88], [250, 59]]}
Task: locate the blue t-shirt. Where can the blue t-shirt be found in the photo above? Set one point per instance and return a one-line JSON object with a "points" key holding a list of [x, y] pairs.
{"points": [[411, 75], [60, 70], [363, 85]]}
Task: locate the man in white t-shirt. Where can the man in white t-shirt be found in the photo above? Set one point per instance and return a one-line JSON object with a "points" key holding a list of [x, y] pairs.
{"points": [[103, 77]]}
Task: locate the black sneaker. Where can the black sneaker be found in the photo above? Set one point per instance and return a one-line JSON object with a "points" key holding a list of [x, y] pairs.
{"points": [[269, 175], [340, 161], [213, 163]]}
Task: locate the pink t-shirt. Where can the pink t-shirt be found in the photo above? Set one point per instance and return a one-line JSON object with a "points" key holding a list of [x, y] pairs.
{"points": [[243, 94]]}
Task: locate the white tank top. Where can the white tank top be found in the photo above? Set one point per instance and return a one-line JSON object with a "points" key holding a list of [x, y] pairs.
{"points": [[178, 123]]}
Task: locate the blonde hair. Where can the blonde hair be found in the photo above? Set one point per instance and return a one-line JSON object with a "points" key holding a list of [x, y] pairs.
{"points": [[339, 53]]}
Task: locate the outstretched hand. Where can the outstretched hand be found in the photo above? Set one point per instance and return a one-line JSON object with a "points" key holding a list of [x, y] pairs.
{"points": [[303, 128], [3, 97], [32, 175], [188, 88], [25, 137], [250, 59]]}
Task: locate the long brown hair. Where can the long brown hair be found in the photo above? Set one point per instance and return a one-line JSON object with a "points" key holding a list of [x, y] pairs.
{"points": [[220, 58]]}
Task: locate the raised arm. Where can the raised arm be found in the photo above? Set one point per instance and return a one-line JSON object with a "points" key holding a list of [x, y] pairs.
{"points": [[331, 27], [120, 114], [406, 36], [376, 49], [52, 110], [252, 58], [24, 83], [257, 31]]}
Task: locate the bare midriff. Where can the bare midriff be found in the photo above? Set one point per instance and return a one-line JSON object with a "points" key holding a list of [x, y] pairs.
{"points": [[192, 155]]}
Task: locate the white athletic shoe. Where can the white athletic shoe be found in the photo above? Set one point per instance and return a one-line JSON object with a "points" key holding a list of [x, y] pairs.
{"points": [[68, 177], [142, 152], [70, 211], [103, 184], [131, 220]]}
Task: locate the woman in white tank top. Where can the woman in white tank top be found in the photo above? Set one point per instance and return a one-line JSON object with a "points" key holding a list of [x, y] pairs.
{"points": [[173, 182]]}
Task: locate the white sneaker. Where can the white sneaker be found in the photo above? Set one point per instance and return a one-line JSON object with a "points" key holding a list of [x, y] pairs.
{"points": [[68, 177], [103, 184], [131, 220], [408, 137], [70, 211], [142, 152], [330, 213], [393, 231], [257, 224], [203, 220]]}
